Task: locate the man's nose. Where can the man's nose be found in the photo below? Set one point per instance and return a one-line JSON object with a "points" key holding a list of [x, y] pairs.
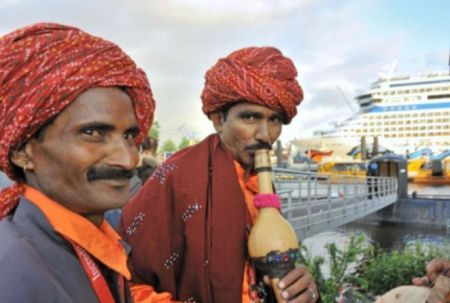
{"points": [[263, 133], [123, 154]]}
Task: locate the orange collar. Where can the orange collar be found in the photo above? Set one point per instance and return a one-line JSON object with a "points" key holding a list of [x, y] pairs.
{"points": [[249, 181], [249, 186], [101, 242]]}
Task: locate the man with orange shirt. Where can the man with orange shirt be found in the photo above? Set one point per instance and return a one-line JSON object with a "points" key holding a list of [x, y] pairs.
{"points": [[188, 225], [73, 108]]}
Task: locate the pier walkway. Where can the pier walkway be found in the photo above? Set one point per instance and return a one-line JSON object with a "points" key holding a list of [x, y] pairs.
{"points": [[314, 203]]}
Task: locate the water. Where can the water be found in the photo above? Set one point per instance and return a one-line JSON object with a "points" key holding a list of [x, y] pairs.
{"points": [[386, 236], [392, 236], [427, 190]]}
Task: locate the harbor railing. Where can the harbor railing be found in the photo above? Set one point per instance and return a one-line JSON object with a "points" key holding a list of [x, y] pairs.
{"points": [[314, 202]]}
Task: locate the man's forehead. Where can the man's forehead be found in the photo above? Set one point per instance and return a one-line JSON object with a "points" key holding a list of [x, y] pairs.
{"points": [[99, 104], [249, 106]]}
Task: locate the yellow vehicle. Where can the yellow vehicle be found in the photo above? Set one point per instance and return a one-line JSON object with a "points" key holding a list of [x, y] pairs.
{"points": [[346, 168], [434, 172], [414, 166]]}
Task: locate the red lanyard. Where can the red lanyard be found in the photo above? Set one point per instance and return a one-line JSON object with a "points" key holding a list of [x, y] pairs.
{"points": [[96, 278]]}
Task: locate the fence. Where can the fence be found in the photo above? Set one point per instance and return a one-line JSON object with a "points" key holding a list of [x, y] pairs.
{"points": [[313, 202]]}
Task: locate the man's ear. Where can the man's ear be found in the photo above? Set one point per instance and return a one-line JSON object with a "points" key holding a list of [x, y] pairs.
{"points": [[217, 120], [23, 157]]}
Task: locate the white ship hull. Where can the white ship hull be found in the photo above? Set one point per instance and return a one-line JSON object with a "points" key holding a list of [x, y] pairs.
{"points": [[405, 113]]}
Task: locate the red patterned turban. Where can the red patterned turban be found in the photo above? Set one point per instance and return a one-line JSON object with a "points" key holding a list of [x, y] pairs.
{"points": [[43, 69], [259, 75]]}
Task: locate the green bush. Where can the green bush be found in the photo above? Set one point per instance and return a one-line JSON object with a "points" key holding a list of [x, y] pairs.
{"points": [[365, 271], [382, 271]]}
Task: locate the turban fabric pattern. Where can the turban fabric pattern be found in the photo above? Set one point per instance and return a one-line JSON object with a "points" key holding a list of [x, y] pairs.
{"points": [[260, 75], [44, 68]]}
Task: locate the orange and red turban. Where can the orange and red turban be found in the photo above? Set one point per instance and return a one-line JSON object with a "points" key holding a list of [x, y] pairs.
{"points": [[44, 68], [259, 75]]}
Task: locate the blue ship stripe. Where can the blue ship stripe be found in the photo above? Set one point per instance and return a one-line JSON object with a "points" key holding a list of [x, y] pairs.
{"points": [[418, 83], [399, 108]]}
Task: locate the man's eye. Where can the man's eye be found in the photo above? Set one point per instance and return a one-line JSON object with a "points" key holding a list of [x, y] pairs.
{"points": [[248, 117], [130, 136], [276, 119], [92, 132]]}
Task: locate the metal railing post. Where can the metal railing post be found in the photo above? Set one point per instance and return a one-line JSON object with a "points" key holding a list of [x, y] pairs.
{"points": [[308, 201], [289, 216], [329, 198], [344, 196]]}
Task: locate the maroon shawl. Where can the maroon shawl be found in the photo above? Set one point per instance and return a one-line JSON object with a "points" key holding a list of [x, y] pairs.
{"points": [[187, 226]]}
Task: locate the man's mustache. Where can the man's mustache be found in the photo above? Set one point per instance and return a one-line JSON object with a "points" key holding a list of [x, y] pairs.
{"points": [[259, 145], [110, 173]]}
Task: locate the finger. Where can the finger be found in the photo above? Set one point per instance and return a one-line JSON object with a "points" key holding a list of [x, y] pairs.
{"points": [[421, 281], [303, 297], [299, 286], [266, 280], [293, 276], [436, 267], [309, 295]]}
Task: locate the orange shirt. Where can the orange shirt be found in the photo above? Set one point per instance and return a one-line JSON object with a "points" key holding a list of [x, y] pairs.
{"points": [[101, 242], [249, 185]]}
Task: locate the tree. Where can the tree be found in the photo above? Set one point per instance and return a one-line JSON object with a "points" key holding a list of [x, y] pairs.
{"points": [[155, 131], [168, 146], [185, 142]]}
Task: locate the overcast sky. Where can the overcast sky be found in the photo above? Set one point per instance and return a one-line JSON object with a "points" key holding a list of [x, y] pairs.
{"points": [[339, 47]]}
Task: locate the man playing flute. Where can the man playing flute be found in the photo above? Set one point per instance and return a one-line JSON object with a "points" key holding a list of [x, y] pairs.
{"points": [[188, 226]]}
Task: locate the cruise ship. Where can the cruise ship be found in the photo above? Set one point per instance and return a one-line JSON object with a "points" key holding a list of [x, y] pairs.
{"points": [[405, 112]]}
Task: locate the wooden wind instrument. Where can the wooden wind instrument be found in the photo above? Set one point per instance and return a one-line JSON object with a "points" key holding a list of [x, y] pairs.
{"points": [[272, 243], [439, 293]]}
